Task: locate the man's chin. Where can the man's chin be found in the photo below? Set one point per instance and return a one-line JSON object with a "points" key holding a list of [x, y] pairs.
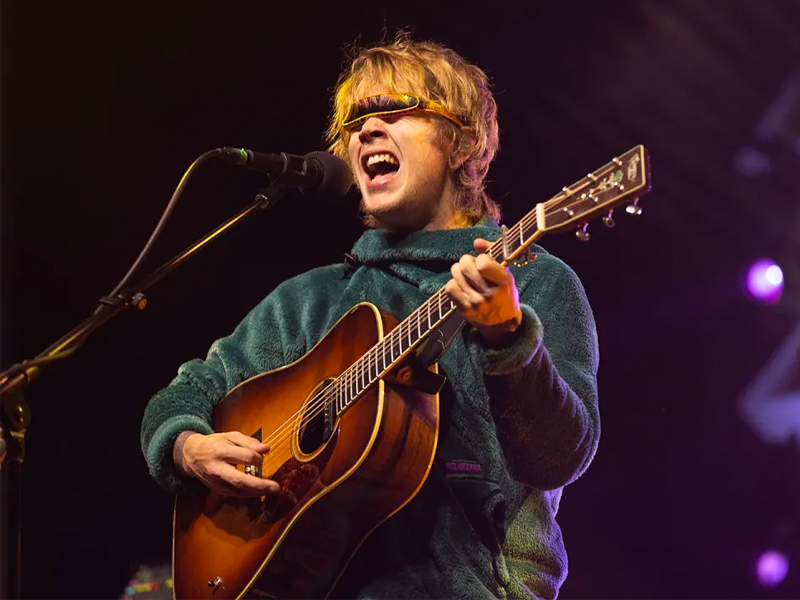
{"points": [[388, 215], [392, 218], [382, 208]]}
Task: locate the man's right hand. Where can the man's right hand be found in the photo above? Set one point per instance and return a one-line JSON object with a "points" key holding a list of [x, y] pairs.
{"points": [[212, 459]]}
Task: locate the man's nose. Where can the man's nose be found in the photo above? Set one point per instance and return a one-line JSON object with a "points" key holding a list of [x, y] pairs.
{"points": [[373, 128]]}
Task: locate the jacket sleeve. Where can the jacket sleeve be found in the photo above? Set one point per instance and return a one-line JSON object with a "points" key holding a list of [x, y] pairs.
{"points": [[543, 386], [267, 338]]}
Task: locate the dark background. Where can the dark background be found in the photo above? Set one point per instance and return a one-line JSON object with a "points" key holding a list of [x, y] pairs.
{"points": [[104, 105]]}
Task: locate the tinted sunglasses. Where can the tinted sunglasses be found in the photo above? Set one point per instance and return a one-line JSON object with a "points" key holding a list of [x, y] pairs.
{"points": [[391, 105]]}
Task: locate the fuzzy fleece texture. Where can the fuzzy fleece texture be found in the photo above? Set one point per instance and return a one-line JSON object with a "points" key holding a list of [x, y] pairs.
{"points": [[523, 419]]}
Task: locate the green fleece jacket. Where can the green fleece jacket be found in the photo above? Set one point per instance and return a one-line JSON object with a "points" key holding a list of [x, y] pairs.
{"points": [[518, 423]]}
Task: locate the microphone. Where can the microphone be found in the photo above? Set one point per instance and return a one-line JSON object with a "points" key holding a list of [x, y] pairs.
{"points": [[316, 171]]}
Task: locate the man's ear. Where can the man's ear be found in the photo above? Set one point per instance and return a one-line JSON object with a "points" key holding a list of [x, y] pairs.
{"points": [[464, 145]]}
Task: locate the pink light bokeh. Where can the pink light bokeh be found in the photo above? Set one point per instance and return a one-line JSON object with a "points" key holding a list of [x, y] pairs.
{"points": [[765, 281], [772, 568]]}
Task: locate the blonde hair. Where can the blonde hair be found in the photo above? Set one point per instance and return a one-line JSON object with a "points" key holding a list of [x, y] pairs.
{"points": [[433, 72]]}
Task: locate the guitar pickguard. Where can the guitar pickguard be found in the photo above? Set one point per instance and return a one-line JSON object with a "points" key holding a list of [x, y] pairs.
{"points": [[296, 479]]}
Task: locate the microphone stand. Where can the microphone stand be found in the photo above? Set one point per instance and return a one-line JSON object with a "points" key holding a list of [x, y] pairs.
{"points": [[15, 415]]}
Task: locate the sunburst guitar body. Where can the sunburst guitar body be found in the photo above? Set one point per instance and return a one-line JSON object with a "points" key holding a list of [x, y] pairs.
{"points": [[340, 476]]}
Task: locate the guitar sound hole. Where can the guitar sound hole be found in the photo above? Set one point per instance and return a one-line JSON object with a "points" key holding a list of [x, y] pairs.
{"points": [[318, 423]]}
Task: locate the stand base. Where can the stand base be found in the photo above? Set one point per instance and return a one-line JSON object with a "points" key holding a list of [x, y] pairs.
{"points": [[10, 504]]}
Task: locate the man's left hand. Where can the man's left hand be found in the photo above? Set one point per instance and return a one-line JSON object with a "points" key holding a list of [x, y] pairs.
{"points": [[484, 293]]}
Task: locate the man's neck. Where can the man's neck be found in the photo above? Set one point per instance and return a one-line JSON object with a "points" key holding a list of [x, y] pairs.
{"points": [[452, 220]]}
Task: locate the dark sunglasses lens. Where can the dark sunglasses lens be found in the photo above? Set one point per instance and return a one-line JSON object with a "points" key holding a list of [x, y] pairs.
{"points": [[381, 104]]}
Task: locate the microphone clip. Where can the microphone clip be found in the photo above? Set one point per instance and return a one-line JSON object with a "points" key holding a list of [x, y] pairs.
{"points": [[270, 195]]}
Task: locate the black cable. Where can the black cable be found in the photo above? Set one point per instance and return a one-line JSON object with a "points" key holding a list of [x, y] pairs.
{"points": [[110, 298], [113, 298]]}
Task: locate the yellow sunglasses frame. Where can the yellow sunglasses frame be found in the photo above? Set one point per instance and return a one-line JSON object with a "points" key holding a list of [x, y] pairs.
{"points": [[421, 105]]}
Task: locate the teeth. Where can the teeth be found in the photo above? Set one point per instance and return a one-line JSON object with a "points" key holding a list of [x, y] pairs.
{"points": [[376, 158]]}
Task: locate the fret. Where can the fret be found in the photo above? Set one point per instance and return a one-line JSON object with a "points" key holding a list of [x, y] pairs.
{"points": [[365, 375], [370, 375], [342, 399], [343, 389], [351, 385]]}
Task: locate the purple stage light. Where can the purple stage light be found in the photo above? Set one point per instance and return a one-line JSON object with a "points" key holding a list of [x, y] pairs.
{"points": [[765, 281], [772, 568]]}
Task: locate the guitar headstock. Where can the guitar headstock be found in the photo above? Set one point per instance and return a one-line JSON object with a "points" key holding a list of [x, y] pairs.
{"points": [[624, 179]]}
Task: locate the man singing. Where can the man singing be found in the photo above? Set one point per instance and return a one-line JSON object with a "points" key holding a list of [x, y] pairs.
{"points": [[418, 126]]}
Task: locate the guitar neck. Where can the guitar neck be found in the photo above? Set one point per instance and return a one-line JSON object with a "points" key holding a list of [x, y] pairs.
{"points": [[594, 195], [415, 329]]}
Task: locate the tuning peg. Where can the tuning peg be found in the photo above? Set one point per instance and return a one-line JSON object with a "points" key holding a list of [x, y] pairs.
{"points": [[634, 209], [608, 220], [582, 234]]}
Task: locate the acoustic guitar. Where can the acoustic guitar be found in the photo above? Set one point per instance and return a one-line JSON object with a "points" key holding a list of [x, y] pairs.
{"points": [[352, 426]]}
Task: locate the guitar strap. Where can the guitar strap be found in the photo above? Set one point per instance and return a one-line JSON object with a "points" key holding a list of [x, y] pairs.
{"points": [[350, 265]]}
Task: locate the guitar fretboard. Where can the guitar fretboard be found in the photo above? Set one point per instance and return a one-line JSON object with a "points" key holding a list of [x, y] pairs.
{"points": [[595, 194], [412, 331]]}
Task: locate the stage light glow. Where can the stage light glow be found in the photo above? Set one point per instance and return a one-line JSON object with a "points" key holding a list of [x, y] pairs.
{"points": [[772, 568], [765, 281], [774, 275]]}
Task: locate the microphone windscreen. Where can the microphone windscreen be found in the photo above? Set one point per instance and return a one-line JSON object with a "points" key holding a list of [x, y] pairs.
{"points": [[336, 176]]}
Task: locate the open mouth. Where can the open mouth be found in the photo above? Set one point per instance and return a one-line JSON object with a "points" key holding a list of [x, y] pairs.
{"points": [[381, 167]]}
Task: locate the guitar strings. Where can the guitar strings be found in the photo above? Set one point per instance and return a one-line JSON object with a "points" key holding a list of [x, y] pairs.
{"points": [[356, 371], [350, 376], [393, 342]]}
